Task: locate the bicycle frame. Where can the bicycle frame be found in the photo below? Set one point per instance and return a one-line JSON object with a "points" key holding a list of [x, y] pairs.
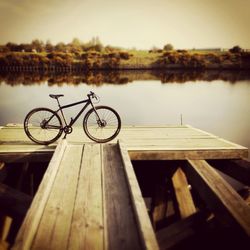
{"points": [[73, 120]]}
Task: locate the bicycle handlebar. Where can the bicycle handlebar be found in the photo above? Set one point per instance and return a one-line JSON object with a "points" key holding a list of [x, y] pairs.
{"points": [[93, 95]]}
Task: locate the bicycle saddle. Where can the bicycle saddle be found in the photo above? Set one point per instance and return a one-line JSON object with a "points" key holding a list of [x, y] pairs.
{"points": [[55, 96]]}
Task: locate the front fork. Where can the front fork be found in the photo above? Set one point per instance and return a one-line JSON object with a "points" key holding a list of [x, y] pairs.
{"points": [[98, 120]]}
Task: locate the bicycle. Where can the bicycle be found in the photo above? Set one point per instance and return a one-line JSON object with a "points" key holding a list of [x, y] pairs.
{"points": [[44, 126]]}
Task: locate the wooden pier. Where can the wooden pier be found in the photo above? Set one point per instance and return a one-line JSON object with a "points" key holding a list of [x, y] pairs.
{"points": [[90, 198]]}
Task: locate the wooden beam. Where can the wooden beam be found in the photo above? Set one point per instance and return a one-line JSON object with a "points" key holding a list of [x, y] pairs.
{"points": [[160, 203], [219, 196], [238, 169], [13, 202], [180, 154], [29, 227], [183, 196], [2, 165], [145, 228]]}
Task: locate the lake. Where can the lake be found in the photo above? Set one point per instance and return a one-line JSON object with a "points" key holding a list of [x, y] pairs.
{"points": [[217, 105]]}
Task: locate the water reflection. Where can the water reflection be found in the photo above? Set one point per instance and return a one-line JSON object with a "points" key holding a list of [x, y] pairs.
{"points": [[122, 77]]}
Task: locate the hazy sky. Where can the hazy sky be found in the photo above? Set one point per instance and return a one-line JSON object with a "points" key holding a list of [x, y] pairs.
{"points": [[129, 23]]}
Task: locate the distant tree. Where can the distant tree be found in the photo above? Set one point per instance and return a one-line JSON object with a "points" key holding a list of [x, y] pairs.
{"points": [[49, 47], [37, 45], [13, 47], [61, 47], [76, 42], [236, 49], [25, 47], [168, 47]]}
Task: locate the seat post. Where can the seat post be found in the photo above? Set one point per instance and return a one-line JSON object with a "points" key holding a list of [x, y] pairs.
{"points": [[58, 102]]}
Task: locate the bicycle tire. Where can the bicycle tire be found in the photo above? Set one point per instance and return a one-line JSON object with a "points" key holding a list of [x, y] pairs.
{"points": [[105, 133], [34, 129]]}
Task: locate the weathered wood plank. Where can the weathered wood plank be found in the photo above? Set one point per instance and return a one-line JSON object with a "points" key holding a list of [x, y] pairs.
{"points": [[196, 154], [120, 227], [146, 232], [87, 229], [54, 228], [183, 196], [220, 197], [160, 203], [29, 228], [2, 165], [238, 169]]}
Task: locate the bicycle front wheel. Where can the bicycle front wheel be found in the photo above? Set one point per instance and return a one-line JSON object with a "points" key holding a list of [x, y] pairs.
{"points": [[43, 126], [102, 124]]}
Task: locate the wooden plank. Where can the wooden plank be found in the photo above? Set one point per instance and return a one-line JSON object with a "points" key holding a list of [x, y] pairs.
{"points": [[181, 230], [220, 197], [120, 225], [29, 227], [2, 165], [54, 228], [183, 196], [13, 202], [195, 154], [160, 203], [87, 229], [238, 169], [145, 228]]}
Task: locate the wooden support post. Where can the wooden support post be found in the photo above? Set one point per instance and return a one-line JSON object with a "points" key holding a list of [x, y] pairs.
{"points": [[5, 224], [220, 197], [183, 195]]}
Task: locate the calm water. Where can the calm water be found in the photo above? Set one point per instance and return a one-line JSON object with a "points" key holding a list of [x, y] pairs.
{"points": [[219, 107]]}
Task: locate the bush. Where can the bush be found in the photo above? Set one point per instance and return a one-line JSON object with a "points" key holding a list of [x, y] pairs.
{"points": [[168, 47], [124, 55], [236, 49]]}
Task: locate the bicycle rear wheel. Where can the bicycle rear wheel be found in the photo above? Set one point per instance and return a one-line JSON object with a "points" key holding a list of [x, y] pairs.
{"points": [[43, 126], [104, 129]]}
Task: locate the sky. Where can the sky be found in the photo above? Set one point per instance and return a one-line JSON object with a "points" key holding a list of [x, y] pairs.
{"points": [[139, 24]]}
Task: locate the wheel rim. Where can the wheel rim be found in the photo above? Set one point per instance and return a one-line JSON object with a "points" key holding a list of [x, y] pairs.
{"points": [[104, 129], [43, 126]]}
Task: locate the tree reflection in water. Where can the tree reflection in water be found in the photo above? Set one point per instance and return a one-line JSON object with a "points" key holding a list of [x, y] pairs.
{"points": [[122, 77]]}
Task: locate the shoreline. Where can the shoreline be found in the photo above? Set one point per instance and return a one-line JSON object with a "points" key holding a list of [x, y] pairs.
{"points": [[122, 60]]}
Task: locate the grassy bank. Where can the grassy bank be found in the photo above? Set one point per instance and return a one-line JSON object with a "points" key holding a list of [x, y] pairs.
{"points": [[127, 59]]}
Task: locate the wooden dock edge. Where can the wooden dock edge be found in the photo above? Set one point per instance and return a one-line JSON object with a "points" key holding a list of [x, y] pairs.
{"points": [[146, 231], [29, 227]]}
